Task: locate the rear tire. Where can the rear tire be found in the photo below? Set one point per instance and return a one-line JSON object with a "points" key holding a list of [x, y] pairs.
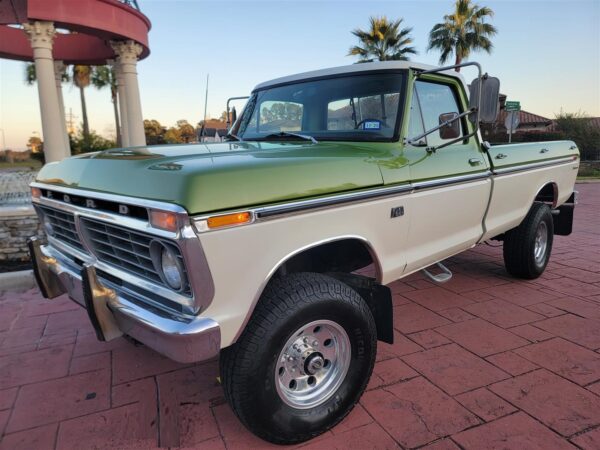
{"points": [[527, 247], [303, 360]]}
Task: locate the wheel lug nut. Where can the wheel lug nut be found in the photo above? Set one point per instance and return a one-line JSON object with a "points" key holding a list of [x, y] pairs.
{"points": [[315, 343]]}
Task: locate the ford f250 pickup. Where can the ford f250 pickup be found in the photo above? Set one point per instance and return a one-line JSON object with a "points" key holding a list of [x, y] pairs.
{"points": [[253, 249]]}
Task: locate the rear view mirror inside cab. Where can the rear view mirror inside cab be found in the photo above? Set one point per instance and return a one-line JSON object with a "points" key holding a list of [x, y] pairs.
{"points": [[451, 129]]}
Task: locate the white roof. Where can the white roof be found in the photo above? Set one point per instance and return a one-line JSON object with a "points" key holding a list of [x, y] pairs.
{"points": [[355, 68]]}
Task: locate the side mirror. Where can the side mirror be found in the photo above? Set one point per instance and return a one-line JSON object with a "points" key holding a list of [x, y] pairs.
{"points": [[452, 128], [490, 99], [233, 115]]}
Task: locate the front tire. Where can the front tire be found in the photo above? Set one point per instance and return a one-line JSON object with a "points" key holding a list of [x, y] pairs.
{"points": [[527, 247], [303, 360]]}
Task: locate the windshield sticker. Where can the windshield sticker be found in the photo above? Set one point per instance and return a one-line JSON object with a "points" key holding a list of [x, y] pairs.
{"points": [[372, 125]]}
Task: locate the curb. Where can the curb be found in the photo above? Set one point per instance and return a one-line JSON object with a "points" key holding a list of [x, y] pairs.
{"points": [[17, 281]]}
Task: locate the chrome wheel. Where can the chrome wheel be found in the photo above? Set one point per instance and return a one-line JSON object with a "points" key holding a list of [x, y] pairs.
{"points": [[313, 364], [541, 243]]}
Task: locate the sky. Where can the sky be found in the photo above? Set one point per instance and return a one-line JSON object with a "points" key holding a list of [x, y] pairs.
{"points": [[546, 54]]}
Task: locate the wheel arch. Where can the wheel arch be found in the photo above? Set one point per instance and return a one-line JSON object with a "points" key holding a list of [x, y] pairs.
{"points": [[548, 193], [355, 240]]}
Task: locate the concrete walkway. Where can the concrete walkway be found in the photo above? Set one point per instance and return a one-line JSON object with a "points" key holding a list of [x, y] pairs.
{"points": [[483, 362]]}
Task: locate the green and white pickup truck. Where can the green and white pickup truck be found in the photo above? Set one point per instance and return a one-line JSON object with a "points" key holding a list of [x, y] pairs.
{"points": [[252, 249]]}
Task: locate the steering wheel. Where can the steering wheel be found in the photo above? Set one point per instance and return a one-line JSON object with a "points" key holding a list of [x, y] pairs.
{"points": [[381, 123]]}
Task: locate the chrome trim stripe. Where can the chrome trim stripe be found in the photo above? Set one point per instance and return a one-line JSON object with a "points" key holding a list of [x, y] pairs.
{"points": [[303, 205], [275, 211], [522, 167], [430, 184], [145, 203]]}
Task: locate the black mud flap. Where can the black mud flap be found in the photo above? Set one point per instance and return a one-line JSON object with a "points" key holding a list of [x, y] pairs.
{"points": [[379, 299], [563, 221]]}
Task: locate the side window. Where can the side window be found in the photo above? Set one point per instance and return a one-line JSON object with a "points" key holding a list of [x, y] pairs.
{"points": [[435, 99], [280, 116], [415, 119]]}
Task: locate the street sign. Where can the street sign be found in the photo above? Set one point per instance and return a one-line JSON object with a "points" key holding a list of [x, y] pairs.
{"points": [[512, 106], [512, 121]]}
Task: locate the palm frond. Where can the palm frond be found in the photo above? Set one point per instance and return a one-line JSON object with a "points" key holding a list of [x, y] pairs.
{"points": [[384, 40], [463, 30]]}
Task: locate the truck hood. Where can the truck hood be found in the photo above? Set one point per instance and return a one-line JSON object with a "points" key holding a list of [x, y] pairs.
{"points": [[220, 176]]}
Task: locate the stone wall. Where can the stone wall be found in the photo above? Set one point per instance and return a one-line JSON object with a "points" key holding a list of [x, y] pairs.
{"points": [[17, 224]]}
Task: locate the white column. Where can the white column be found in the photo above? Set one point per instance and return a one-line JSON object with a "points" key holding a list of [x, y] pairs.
{"points": [[59, 70], [127, 56], [122, 99], [41, 36]]}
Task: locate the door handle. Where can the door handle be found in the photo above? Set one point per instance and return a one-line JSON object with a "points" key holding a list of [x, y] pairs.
{"points": [[474, 161], [544, 150], [501, 156]]}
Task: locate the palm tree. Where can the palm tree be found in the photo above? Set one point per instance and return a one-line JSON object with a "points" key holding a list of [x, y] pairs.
{"points": [[81, 79], [104, 76], [384, 41], [31, 77], [463, 31]]}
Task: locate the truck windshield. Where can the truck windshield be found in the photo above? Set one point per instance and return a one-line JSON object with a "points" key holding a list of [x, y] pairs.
{"points": [[345, 108]]}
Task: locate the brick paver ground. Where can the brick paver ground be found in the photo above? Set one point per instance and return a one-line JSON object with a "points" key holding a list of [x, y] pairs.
{"points": [[484, 361]]}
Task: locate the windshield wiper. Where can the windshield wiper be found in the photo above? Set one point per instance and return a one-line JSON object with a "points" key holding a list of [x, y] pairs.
{"points": [[288, 134]]}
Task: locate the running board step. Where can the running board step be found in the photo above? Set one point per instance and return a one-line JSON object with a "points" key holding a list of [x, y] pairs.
{"points": [[439, 278]]}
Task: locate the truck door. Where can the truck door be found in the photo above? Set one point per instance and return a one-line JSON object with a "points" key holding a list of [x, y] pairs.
{"points": [[451, 185]]}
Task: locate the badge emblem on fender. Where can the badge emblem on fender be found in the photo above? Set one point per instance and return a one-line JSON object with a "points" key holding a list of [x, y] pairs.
{"points": [[397, 212]]}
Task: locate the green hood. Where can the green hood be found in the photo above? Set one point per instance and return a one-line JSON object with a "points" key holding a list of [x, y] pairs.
{"points": [[221, 176]]}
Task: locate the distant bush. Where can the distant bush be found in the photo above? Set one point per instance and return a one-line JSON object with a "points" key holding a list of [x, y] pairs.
{"points": [[39, 157], [579, 128]]}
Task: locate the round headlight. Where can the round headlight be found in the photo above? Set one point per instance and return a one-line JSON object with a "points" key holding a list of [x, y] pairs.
{"points": [[47, 225], [171, 269]]}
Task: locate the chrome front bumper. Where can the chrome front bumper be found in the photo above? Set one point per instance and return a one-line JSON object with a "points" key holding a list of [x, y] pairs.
{"points": [[113, 313]]}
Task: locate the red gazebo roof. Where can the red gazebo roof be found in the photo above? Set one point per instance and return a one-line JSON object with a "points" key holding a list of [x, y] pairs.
{"points": [[91, 25]]}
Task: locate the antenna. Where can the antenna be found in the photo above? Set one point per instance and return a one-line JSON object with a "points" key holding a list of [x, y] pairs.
{"points": [[205, 101]]}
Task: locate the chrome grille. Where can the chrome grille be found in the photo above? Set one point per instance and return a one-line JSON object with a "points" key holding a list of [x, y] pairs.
{"points": [[124, 248], [63, 226]]}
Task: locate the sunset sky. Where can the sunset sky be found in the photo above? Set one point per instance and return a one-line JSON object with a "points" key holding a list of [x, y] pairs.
{"points": [[547, 55]]}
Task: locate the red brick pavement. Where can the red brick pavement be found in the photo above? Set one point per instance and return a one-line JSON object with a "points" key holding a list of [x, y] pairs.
{"points": [[484, 361]]}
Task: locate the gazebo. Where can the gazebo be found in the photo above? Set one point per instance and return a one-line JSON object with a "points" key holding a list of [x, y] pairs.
{"points": [[56, 33]]}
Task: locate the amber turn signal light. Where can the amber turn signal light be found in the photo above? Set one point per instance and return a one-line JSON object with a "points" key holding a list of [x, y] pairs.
{"points": [[163, 220], [36, 192], [228, 220]]}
